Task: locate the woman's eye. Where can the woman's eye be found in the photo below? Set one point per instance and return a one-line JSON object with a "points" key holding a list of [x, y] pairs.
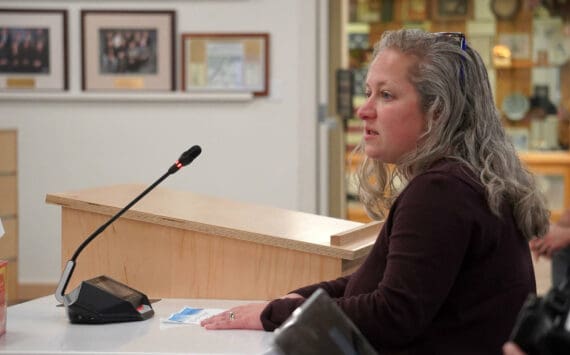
{"points": [[367, 93], [385, 95]]}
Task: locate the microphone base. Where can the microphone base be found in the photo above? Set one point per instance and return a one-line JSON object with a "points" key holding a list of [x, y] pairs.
{"points": [[103, 300]]}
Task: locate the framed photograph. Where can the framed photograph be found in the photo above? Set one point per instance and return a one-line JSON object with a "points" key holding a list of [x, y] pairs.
{"points": [[451, 10], [226, 62], [365, 11], [128, 50], [33, 50], [415, 10], [550, 42]]}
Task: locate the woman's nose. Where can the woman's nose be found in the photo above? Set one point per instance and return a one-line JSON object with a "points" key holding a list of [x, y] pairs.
{"points": [[366, 111]]}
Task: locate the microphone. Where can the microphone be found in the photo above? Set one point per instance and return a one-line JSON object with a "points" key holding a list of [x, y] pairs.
{"points": [[102, 299], [186, 158]]}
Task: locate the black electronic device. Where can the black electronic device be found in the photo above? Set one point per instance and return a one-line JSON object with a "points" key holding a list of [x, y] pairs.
{"points": [[543, 324], [102, 299], [319, 326]]}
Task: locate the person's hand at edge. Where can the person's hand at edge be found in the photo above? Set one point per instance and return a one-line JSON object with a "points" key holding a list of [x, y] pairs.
{"points": [[557, 238], [511, 348], [241, 317]]}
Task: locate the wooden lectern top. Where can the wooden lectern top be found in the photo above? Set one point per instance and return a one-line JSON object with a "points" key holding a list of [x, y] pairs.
{"points": [[249, 222]]}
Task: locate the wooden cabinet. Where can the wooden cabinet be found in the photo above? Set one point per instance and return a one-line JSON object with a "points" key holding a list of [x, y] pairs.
{"points": [[552, 172], [354, 209], [521, 76], [9, 209], [551, 169]]}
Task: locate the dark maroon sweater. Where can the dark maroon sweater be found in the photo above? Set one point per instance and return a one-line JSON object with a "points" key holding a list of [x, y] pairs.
{"points": [[445, 276]]}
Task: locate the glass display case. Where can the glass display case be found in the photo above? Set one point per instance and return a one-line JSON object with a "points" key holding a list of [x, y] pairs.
{"points": [[526, 48]]}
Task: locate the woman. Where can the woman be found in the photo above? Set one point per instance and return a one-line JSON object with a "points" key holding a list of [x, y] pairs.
{"points": [[451, 267]]}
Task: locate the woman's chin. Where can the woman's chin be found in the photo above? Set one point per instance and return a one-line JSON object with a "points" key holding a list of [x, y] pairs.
{"points": [[373, 153]]}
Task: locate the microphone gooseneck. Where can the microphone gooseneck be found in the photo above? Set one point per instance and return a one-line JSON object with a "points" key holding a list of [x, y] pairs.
{"points": [[186, 158]]}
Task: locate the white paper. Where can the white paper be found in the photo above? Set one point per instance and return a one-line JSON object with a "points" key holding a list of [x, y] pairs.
{"points": [[1, 229], [225, 63], [191, 315]]}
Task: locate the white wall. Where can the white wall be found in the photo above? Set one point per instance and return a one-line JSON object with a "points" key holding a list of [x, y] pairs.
{"points": [[260, 151]]}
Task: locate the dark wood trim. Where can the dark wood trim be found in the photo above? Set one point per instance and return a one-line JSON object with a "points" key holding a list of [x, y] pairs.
{"points": [[65, 54]]}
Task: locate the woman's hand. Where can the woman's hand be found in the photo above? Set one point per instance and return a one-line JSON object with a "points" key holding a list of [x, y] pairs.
{"points": [[241, 317]]}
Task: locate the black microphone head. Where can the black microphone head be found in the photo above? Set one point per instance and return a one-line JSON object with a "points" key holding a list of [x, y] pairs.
{"points": [[188, 156]]}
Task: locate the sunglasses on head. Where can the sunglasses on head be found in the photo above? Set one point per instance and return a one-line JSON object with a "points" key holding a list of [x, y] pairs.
{"points": [[458, 36]]}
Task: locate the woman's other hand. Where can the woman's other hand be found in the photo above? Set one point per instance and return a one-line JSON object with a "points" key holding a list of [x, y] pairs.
{"points": [[292, 295]]}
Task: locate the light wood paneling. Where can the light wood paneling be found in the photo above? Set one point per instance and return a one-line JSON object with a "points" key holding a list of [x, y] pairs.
{"points": [[267, 225], [12, 284], [8, 157], [9, 208], [9, 242], [30, 291], [9, 193], [168, 262], [181, 244], [551, 163]]}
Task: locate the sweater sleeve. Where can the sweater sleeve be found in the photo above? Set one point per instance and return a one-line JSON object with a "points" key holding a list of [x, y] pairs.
{"points": [[431, 226], [277, 311], [334, 288]]}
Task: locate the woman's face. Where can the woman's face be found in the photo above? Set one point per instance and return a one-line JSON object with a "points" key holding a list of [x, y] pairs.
{"points": [[393, 121]]}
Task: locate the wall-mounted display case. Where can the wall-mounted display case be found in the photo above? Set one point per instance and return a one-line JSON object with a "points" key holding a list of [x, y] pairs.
{"points": [[527, 53]]}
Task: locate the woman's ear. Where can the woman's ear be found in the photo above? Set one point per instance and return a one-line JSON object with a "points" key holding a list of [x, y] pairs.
{"points": [[434, 113]]}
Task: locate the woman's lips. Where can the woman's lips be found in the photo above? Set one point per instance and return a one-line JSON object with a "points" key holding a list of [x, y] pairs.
{"points": [[370, 134]]}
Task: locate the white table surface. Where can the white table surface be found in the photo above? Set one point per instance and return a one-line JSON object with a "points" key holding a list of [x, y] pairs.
{"points": [[39, 327]]}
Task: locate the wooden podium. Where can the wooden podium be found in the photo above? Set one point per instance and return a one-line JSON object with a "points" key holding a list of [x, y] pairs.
{"points": [[178, 244]]}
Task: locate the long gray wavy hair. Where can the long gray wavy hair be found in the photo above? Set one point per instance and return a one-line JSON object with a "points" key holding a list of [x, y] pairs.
{"points": [[454, 88]]}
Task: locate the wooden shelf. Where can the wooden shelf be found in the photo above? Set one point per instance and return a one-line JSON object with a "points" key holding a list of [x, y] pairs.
{"points": [[357, 214], [545, 157], [126, 96], [528, 157], [553, 163]]}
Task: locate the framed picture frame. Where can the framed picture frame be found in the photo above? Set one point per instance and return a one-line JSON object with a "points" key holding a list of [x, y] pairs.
{"points": [[128, 50], [415, 10], [33, 50], [451, 10], [550, 44], [225, 62]]}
